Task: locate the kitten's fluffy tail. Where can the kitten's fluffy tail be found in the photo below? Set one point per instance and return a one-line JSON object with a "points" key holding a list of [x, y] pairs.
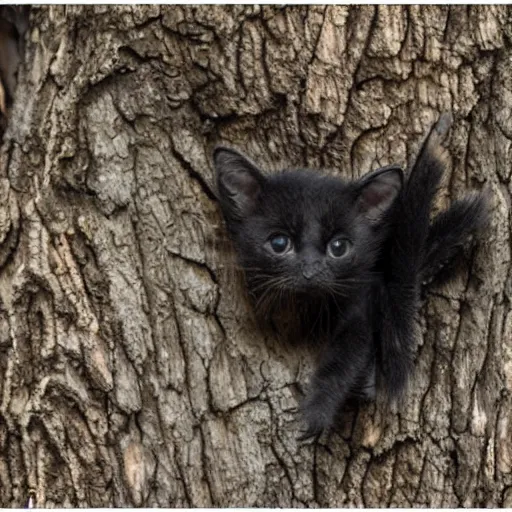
{"points": [[420, 252], [449, 233], [408, 242]]}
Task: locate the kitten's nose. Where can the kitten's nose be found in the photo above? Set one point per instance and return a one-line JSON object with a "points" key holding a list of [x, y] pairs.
{"points": [[311, 270]]}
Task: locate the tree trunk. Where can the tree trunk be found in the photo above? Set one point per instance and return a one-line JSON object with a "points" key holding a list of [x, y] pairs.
{"points": [[132, 371]]}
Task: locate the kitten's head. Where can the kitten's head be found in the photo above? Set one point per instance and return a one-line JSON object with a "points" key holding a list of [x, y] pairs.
{"points": [[299, 232]]}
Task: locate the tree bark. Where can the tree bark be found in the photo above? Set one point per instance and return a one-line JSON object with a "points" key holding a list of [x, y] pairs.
{"points": [[132, 371]]}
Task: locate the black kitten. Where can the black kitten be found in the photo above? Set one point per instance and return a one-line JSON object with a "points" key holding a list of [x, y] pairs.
{"points": [[349, 259]]}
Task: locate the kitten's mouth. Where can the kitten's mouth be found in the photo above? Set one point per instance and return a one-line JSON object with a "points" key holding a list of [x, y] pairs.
{"points": [[313, 286], [284, 286], [307, 286], [311, 289]]}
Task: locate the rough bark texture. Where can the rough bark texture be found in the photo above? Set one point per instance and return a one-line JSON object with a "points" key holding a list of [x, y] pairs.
{"points": [[132, 371]]}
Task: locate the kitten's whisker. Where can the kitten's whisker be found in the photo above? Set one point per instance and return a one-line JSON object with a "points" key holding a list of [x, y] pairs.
{"points": [[269, 282], [269, 295], [341, 290], [333, 295]]}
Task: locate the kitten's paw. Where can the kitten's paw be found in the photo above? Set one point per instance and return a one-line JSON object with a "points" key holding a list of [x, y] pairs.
{"points": [[308, 436], [318, 417]]}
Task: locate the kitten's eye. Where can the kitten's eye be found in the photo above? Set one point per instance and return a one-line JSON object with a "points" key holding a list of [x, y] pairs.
{"points": [[280, 243], [338, 247]]}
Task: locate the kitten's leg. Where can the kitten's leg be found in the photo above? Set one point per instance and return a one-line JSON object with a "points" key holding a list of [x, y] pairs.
{"points": [[399, 299], [449, 232], [341, 367], [399, 304]]}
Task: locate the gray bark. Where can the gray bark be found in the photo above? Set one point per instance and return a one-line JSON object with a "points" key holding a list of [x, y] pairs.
{"points": [[132, 371]]}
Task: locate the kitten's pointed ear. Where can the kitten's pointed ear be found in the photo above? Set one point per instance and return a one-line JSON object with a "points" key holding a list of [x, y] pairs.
{"points": [[239, 181], [378, 190]]}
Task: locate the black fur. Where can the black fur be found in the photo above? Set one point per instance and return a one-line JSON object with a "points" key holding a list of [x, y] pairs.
{"points": [[360, 306]]}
